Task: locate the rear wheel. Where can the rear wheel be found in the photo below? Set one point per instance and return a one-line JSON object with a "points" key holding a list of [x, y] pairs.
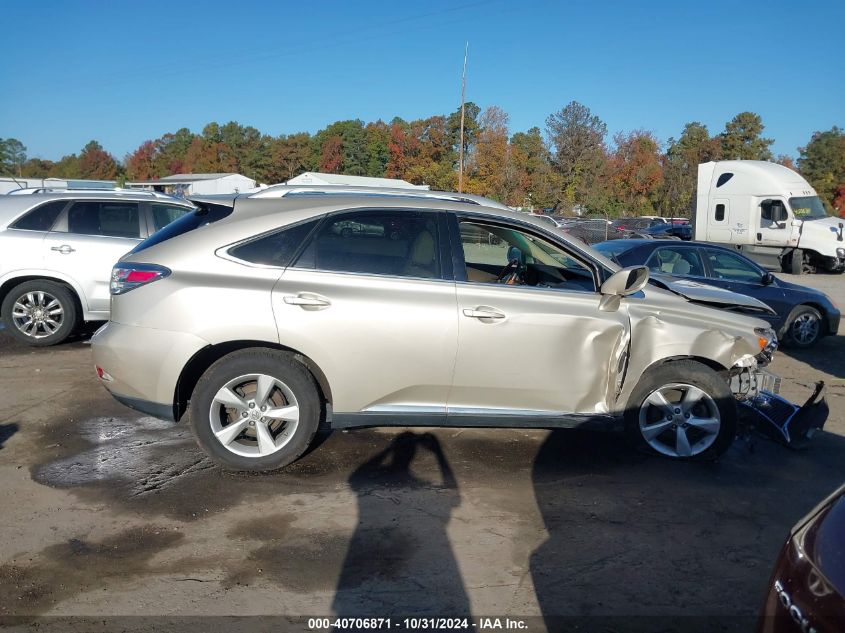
{"points": [[255, 410], [40, 312], [682, 410]]}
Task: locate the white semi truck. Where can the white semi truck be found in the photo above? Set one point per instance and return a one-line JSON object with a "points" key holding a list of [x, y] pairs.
{"points": [[770, 213]]}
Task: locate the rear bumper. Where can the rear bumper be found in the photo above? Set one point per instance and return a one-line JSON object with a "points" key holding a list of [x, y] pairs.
{"points": [[142, 365], [155, 409]]}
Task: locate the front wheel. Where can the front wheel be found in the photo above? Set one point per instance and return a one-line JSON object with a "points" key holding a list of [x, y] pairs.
{"points": [[804, 327], [255, 410], [682, 410]]}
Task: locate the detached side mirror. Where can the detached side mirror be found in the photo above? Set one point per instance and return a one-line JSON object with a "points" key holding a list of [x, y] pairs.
{"points": [[768, 279]]}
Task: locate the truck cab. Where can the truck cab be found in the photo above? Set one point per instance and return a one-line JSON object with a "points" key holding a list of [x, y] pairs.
{"points": [[770, 213]]}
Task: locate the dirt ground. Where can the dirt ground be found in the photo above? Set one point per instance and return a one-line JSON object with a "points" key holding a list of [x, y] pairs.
{"points": [[104, 512]]}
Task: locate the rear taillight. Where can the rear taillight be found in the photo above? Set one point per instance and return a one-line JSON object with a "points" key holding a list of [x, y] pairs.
{"points": [[128, 276]]}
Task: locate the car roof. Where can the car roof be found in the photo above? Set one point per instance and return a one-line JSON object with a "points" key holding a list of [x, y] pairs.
{"points": [[258, 215], [12, 207]]}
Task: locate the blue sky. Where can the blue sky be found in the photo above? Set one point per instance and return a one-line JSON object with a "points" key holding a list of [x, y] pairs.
{"points": [[123, 72]]}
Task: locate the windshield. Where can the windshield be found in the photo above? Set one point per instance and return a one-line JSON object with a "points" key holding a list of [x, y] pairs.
{"points": [[611, 249], [808, 208]]}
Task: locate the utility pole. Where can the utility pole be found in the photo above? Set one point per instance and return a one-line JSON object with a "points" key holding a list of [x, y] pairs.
{"points": [[463, 97]]}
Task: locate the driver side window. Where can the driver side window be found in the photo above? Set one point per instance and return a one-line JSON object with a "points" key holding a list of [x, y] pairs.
{"points": [[502, 255]]}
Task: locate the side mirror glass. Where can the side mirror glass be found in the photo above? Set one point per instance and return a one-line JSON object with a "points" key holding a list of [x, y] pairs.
{"points": [[626, 281], [778, 211]]}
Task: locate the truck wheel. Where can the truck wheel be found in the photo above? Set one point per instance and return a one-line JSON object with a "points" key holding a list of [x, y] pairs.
{"points": [[804, 327], [796, 262], [255, 410], [682, 410], [40, 312]]}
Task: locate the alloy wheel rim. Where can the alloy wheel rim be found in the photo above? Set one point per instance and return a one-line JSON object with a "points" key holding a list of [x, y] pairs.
{"points": [[254, 415], [37, 314], [805, 328], [679, 420]]}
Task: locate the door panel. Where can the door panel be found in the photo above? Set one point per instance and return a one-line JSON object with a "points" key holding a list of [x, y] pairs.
{"points": [[384, 343], [531, 337], [87, 241], [552, 351]]}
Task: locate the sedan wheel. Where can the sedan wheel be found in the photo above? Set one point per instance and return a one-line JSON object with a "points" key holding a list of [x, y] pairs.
{"points": [[679, 420], [805, 328]]}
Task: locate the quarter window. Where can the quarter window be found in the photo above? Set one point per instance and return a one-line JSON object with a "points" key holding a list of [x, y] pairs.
{"points": [[676, 261], [164, 214], [396, 243], [504, 255], [112, 219], [275, 249], [42, 218]]}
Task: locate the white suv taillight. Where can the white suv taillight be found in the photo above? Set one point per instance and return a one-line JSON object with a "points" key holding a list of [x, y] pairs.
{"points": [[128, 276]]}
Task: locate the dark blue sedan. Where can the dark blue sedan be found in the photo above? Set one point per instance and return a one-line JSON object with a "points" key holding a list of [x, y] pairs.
{"points": [[681, 231], [804, 315]]}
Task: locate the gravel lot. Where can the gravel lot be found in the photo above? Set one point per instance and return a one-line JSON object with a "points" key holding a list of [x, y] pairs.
{"points": [[106, 513]]}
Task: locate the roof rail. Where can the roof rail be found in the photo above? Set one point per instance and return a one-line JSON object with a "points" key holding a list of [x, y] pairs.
{"points": [[280, 191], [92, 190]]}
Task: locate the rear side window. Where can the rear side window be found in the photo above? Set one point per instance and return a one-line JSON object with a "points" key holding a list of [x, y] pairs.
{"points": [[276, 249], [676, 261], [396, 243], [111, 219], [42, 218], [164, 214], [207, 214]]}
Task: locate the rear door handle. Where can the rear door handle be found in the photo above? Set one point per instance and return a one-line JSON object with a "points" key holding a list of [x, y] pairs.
{"points": [[307, 300], [483, 313], [64, 249]]}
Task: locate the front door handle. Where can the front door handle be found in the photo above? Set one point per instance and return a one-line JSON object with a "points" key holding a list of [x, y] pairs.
{"points": [[483, 313], [64, 249], [307, 300]]}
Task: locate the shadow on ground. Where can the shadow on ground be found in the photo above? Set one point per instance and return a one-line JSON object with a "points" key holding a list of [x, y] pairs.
{"points": [[627, 534]]}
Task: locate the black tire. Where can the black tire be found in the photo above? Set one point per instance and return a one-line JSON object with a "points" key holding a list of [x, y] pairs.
{"points": [[794, 335], [691, 373], [39, 336], [796, 262], [279, 365]]}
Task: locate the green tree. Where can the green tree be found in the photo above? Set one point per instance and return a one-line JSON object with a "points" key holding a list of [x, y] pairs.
{"points": [[12, 156], [822, 163], [37, 168], [680, 168], [577, 136], [742, 138], [377, 141]]}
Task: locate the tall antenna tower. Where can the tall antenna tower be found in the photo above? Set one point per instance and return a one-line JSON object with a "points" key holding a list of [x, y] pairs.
{"points": [[463, 99]]}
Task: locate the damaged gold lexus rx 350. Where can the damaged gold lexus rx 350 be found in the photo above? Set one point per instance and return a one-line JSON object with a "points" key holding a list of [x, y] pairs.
{"points": [[272, 315]]}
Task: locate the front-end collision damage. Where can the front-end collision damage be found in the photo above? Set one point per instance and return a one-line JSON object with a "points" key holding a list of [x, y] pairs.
{"points": [[760, 406], [659, 337]]}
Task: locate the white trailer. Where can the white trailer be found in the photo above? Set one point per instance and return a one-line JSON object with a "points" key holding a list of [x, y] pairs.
{"points": [[770, 213]]}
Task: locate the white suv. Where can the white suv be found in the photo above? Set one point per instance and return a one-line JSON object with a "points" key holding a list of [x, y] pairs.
{"points": [[57, 250]]}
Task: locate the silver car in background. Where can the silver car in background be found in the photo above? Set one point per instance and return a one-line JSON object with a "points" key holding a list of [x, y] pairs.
{"points": [[273, 321], [57, 249]]}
